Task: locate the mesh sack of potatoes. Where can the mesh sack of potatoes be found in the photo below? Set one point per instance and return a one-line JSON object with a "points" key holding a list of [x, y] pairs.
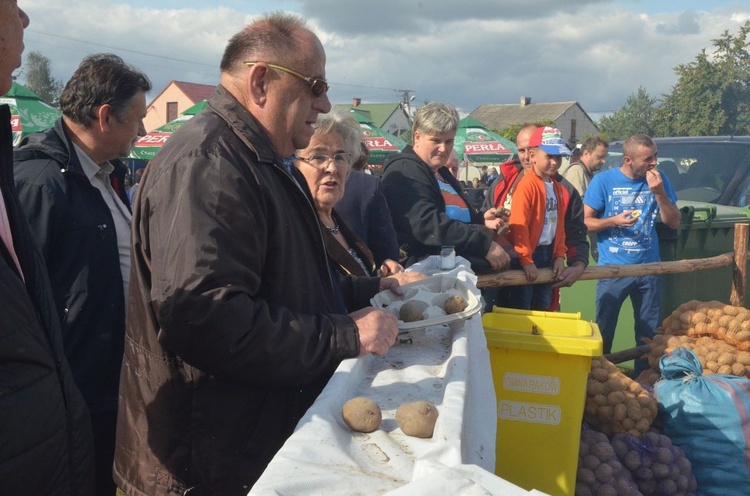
{"points": [[615, 403], [657, 466], [711, 318], [600, 472], [648, 378], [716, 355]]}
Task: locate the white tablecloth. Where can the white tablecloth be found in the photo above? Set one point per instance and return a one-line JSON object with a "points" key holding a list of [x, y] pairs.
{"points": [[448, 368]]}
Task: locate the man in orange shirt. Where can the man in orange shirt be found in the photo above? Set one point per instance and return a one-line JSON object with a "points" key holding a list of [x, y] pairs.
{"points": [[537, 227]]}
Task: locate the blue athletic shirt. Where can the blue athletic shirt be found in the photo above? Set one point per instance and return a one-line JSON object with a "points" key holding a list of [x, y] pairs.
{"points": [[610, 193]]}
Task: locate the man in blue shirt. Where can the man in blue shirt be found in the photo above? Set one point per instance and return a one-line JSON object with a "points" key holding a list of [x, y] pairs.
{"points": [[621, 206]]}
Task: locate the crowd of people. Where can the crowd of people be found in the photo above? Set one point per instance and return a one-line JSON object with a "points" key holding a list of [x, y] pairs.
{"points": [[168, 341]]}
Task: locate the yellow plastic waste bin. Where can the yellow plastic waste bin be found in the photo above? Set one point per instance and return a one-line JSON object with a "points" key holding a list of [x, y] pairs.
{"points": [[540, 362]]}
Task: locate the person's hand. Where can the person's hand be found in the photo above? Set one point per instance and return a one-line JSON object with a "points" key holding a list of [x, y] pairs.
{"points": [[625, 219], [531, 272], [378, 330], [569, 275], [557, 267], [391, 283], [390, 267], [497, 257], [496, 219], [655, 182], [407, 277]]}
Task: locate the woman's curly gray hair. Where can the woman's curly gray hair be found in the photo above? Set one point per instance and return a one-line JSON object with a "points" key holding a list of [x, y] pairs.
{"points": [[345, 125]]}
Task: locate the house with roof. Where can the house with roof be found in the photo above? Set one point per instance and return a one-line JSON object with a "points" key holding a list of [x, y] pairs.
{"points": [[388, 116], [569, 117], [174, 99]]}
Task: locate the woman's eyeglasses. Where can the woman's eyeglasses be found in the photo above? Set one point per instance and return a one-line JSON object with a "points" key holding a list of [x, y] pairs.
{"points": [[319, 160]]}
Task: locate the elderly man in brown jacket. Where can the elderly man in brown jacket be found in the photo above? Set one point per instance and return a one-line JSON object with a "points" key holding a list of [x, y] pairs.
{"points": [[236, 320]]}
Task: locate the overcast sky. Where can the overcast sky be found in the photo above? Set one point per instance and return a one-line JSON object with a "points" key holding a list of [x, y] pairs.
{"points": [[464, 52]]}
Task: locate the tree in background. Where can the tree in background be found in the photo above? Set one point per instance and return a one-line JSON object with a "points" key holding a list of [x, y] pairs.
{"points": [[38, 76], [711, 97], [734, 54], [635, 117], [695, 107]]}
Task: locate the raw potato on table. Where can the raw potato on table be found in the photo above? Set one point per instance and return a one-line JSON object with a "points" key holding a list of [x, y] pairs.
{"points": [[361, 414], [455, 304], [417, 419], [410, 312]]}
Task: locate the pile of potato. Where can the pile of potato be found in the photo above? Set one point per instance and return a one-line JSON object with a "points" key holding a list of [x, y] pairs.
{"points": [[712, 318], [615, 403], [656, 465], [718, 334], [716, 355], [600, 473]]}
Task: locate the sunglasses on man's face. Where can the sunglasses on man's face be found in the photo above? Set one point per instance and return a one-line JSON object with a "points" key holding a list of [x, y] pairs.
{"points": [[317, 86]]}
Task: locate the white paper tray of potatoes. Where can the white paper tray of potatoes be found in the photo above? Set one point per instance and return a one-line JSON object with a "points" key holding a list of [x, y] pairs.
{"points": [[436, 300]]}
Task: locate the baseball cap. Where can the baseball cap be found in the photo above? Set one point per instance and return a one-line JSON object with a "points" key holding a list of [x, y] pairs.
{"points": [[550, 140]]}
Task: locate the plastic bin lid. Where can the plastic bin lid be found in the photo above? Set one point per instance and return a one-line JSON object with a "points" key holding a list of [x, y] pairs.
{"points": [[549, 332]]}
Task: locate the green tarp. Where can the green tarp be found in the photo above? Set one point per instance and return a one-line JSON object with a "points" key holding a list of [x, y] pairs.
{"points": [[28, 113], [379, 142]]}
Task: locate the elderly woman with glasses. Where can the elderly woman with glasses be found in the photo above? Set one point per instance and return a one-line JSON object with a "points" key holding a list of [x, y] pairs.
{"points": [[325, 163], [428, 206]]}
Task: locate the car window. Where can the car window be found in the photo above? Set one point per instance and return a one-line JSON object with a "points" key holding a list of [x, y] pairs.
{"points": [[712, 171]]}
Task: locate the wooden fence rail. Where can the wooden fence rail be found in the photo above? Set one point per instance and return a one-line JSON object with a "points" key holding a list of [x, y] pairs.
{"points": [[518, 278], [739, 274]]}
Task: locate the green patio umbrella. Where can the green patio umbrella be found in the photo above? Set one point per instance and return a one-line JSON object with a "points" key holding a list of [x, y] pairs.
{"points": [[28, 113], [196, 108], [475, 143], [379, 142], [147, 146]]}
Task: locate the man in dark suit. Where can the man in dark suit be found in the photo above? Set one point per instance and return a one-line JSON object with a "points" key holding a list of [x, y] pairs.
{"points": [[364, 209]]}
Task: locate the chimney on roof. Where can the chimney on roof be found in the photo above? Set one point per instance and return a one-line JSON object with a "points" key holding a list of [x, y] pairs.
{"points": [[525, 100], [356, 102]]}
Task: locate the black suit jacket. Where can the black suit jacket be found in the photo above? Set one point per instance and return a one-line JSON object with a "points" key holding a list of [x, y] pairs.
{"points": [[365, 210]]}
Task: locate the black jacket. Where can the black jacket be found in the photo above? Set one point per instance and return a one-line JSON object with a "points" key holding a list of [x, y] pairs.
{"points": [[418, 210], [365, 210], [47, 445], [233, 328], [340, 256], [73, 226]]}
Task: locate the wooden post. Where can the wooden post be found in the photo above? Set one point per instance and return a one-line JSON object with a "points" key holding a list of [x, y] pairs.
{"points": [[739, 267]]}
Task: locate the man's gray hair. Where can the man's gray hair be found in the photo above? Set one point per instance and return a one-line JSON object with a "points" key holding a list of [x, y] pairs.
{"points": [[269, 38], [436, 118]]}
